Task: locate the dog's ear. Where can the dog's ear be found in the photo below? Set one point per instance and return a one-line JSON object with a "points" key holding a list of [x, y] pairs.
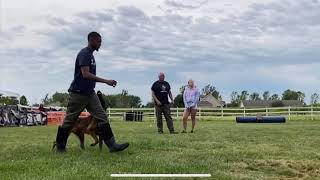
{"points": [[102, 101]]}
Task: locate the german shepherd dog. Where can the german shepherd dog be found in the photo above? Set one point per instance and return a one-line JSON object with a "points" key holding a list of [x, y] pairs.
{"points": [[88, 125]]}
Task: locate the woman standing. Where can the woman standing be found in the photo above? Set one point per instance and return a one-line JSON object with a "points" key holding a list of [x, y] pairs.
{"points": [[191, 97]]}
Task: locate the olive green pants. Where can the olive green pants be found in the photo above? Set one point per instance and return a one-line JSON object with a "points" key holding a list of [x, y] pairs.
{"points": [[77, 103], [165, 110]]}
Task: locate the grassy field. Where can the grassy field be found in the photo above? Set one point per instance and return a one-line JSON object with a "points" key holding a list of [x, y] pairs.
{"points": [[224, 149]]}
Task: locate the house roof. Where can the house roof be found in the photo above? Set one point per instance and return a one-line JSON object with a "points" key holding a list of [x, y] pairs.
{"points": [[202, 96], [268, 103], [209, 100], [204, 104]]}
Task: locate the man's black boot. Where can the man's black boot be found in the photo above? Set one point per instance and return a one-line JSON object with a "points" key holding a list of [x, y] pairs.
{"points": [[61, 139], [114, 147], [108, 138]]}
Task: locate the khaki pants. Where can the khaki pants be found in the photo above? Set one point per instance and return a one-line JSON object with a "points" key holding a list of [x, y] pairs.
{"points": [[77, 103], [165, 110]]}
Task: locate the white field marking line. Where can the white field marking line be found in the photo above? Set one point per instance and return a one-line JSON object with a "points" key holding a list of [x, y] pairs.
{"points": [[160, 175]]}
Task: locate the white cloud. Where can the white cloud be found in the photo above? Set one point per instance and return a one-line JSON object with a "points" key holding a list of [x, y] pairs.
{"points": [[233, 44]]}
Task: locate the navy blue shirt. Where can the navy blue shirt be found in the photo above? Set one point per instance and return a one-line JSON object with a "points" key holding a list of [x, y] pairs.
{"points": [[161, 89], [79, 84]]}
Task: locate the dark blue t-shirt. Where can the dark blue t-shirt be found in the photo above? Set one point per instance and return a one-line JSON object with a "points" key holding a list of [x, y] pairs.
{"points": [[79, 84]]}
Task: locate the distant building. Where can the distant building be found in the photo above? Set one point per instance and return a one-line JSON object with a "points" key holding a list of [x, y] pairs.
{"points": [[209, 101], [9, 94], [270, 103]]}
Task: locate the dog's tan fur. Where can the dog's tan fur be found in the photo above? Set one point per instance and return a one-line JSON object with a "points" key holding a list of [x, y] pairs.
{"points": [[87, 125]]}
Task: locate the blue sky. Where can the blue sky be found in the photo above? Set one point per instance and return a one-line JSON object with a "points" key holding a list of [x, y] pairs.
{"points": [[253, 45]]}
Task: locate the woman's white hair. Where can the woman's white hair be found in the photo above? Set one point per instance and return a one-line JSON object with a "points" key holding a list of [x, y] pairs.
{"points": [[191, 80]]}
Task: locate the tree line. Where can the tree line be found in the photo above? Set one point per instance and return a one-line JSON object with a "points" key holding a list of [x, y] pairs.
{"points": [[126, 100], [10, 101], [121, 100], [238, 97]]}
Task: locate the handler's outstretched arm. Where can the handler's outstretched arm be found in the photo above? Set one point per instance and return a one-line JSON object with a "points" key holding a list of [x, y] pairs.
{"points": [[87, 75]]}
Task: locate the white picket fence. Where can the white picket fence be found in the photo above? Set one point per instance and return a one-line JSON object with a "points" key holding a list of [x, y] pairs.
{"points": [[311, 113]]}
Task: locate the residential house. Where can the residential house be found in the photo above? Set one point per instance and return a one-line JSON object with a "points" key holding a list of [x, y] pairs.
{"points": [[209, 100]]}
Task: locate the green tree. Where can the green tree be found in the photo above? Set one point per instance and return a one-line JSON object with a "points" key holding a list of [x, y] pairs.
{"points": [[293, 95], [23, 100], [178, 101], [182, 88], [244, 96], [314, 98], [122, 100], [301, 96], [235, 99], [134, 101], [289, 95], [59, 98], [255, 96], [111, 100], [274, 97], [46, 100], [266, 95], [8, 101]]}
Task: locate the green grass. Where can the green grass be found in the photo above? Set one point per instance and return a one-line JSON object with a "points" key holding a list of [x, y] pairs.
{"points": [[222, 148]]}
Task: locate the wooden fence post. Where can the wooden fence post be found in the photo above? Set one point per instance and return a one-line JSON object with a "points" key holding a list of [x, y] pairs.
{"points": [[221, 111], [109, 114], [267, 114], [289, 112], [177, 113], [199, 113], [312, 112]]}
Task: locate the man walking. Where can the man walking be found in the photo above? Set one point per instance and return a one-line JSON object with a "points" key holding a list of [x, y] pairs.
{"points": [[82, 96], [161, 90]]}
